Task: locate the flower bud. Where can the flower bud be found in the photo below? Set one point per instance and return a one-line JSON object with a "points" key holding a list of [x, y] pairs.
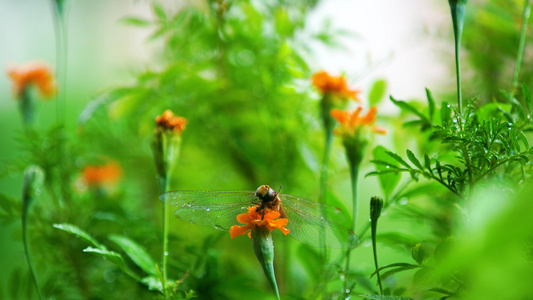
{"points": [[376, 205], [166, 144], [264, 251], [33, 181]]}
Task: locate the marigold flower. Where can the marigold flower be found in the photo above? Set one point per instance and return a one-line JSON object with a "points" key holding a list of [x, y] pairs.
{"points": [[336, 86], [102, 175], [253, 220], [32, 74], [351, 123], [171, 122]]}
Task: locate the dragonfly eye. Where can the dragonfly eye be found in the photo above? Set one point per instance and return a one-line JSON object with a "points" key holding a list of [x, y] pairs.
{"points": [[263, 191]]}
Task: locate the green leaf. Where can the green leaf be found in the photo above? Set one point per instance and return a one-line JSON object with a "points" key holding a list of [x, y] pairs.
{"points": [[442, 291], [395, 265], [388, 181], [79, 233], [414, 160], [408, 107], [137, 253], [427, 163], [398, 159], [419, 253], [445, 113], [382, 297], [111, 255], [135, 21], [397, 270], [527, 98], [153, 283], [431, 103], [377, 92], [159, 11]]}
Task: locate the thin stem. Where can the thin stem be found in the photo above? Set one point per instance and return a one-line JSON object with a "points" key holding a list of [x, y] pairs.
{"points": [[376, 206], [374, 252], [166, 226], [61, 58], [521, 45], [27, 251], [324, 170], [322, 196], [324, 167], [354, 172], [457, 8], [458, 71]]}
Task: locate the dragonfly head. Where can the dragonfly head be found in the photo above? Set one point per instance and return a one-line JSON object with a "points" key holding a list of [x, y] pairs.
{"points": [[265, 193]]}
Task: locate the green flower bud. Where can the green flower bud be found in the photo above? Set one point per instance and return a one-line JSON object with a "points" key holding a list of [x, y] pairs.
{"points": [[264, 251]]}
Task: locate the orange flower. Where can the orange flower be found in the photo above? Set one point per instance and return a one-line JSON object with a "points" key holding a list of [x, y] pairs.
{"points": [[333, 85], [168, 121], [95, 176], [33, 73], [253, 220], [352, 122]]}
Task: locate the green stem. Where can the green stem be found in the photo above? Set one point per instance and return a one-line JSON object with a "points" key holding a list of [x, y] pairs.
{"points": [[354, 172], [26, 248], [457, 8], [166, 225], [324, 167], [376, 205], [324, 173], [521, 45], [61, 58]]}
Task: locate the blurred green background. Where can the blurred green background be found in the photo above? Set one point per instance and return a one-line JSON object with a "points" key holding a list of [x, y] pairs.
{"points": [[239, 72]]}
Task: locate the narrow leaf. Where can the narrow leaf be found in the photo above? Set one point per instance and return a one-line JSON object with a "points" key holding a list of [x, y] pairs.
{"points": [[431, 103], [398, 159], [79, 233], [427, 163], [419, 253], [377, 92], [527, 99], [387, 180], [137, 253], [135, 21], [159, 11], [414, 160], [408, 107], [445, 113]]}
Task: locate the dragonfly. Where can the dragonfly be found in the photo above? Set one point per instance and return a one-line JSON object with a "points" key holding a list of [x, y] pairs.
{"points": [[219, 210]]}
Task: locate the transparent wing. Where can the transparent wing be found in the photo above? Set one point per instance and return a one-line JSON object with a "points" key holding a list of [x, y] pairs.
{"points": [[307, 224], [217, 209]]}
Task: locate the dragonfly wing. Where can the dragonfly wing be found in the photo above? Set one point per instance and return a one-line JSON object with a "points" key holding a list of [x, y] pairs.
{"points": [[217, 209], [308, 226]]}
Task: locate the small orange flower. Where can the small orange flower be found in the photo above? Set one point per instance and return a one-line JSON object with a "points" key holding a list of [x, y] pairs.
{"points": [[352, 122], [171, 122], [33, 73], [95, 176], [253, 219], [337, 86]]}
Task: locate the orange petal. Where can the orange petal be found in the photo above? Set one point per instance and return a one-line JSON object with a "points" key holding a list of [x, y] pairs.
{"points": [[245, 218], [370, 116], [237, 230], [340, 115], [271, 215], [278, 223], [285, 230], [379, 130]]}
